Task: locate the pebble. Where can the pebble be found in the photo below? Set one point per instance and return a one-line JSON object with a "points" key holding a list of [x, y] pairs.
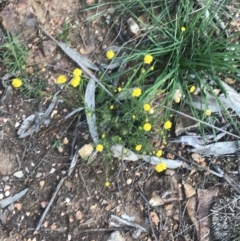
{"points": [[18, 174], [52, 170], [11, 207], [100, 38], [60, 149], [17, 124], [39, 174], [1, 196], [5, 178], [129, 181], [7, 193]]}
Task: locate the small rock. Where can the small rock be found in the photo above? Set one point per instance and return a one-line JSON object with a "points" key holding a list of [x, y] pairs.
{"points": [[5, 178], [1, 196], [43, 204], [45, 225], [100, 38], [42, 183], [18, 174], [7, 193], [18, 206], [52, 170], [79, 215], [28, 214], [11, 207], [65, 141], [39, 174], [129, 181], [53, 226], [17, 124], [71, 219], [60, 149]]}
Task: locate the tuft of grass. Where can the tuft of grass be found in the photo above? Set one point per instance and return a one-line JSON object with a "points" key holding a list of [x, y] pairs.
{"points": [[188, 47]]}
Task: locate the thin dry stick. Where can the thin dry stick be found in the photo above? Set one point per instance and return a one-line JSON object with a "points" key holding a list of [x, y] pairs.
{"points": [[84, 183], [49, 204], [202, 122]]}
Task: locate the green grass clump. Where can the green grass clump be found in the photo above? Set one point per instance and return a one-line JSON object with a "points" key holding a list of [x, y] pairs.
{"points": [[182, 47]]}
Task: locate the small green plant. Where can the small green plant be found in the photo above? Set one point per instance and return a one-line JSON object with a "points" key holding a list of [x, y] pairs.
{"points": [[65, 30], [14, 55]]}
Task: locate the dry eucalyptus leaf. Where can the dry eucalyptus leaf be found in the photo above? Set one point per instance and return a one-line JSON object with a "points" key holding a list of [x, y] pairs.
{"points": [[154, 217], [85, 151], [189, 190], [198, 158], [191, 209]]}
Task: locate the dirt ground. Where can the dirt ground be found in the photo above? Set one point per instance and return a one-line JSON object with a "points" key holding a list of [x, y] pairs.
{"points": [[83, 207]]}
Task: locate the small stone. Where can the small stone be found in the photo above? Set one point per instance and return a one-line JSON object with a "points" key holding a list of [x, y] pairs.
{"points": [[43, 204], [42, 183], [18, 174], [79, 215], [5, 178], [71, 219], [60, 149], [52, 170], [65, 141], [17, 124], [129, 181], [7, 193], [39, 174], [54, 113], [53, 226], [100, 38], [28, 214], [18, 206], [45, 225], [11, 207], [1, 196]]}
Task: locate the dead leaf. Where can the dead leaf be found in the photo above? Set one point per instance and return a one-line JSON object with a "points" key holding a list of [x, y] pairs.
{"points": [[154, 217], [189, 190], [191, 209], [197, 157], [230, 81], [205, 198]]}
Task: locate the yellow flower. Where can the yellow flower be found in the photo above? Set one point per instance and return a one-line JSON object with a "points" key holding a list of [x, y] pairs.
{"points": [[167, 125], [208, 112], [119, 89], [147, 127], [111, 107], [161, 167], [138, 147], [16, 83], [61, 79], [77, 72], [99, 148], [110, 54], [159, 153], [103, 135], [75, 81], [148, 58], [133, 117], [146, 107], [152, 68], [192, 89], [107, 184], [136, 92], [183, 29]]}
